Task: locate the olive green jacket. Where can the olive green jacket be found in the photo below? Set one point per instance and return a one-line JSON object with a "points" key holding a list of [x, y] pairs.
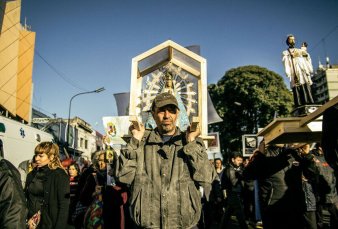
{"points": [[164, 179]]}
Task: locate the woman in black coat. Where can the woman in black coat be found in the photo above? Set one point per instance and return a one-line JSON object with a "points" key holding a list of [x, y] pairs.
{"points": [[47, 190]]}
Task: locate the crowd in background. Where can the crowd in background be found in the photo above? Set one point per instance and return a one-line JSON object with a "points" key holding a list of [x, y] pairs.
{"points": [[277, 187]]}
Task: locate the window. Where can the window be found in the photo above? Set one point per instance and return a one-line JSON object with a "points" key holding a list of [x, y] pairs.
{"points": [[1, 148]]}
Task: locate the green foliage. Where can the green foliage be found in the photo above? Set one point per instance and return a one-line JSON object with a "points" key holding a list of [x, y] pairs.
{"points": [[247, 98]]}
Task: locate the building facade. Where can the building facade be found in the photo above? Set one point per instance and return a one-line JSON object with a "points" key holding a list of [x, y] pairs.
{"points": [[85, 137], [17, 44], [325, 84]]}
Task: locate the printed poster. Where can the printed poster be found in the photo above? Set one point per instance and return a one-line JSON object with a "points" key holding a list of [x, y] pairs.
{"points": [[115, 127]]}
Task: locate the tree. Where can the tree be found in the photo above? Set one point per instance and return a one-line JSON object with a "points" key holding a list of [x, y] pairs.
{"points": [[247, 98]]}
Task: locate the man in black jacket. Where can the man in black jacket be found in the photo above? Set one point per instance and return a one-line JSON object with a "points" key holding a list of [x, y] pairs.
{"points": [[279, 173], [232, 184], [13, 210], [327, 193]]}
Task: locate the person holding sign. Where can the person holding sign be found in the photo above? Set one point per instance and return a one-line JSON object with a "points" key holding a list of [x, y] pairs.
{"points": [[164, 167]]}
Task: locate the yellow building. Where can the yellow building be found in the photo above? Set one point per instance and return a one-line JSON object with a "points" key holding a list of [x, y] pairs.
{"points": [[16, 63]]}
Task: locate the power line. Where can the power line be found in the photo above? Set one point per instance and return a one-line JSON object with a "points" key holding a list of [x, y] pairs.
{"points": [[61, 75], [322, 40], [16, 73], [25, 39], [22, 85], [26, 102]]}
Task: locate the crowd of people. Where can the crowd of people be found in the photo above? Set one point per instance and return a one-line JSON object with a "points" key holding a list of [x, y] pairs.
{"points": [[295, 187], [164, 179]]}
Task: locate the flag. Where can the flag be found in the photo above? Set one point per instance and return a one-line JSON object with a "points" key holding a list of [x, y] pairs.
{"points": [[122, 103], [213, 117]]}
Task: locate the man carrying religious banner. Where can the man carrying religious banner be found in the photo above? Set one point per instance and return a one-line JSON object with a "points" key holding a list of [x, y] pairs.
{"points": [[165, 168]]}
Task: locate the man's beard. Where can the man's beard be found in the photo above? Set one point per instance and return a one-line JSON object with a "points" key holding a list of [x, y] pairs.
{"points": [[167, 128]]}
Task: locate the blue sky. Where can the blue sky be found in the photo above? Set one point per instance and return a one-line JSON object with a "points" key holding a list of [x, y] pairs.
{"points": [[91, 43]]}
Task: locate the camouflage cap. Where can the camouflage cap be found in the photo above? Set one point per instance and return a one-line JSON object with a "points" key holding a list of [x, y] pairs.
{"points": [[164, 99]]}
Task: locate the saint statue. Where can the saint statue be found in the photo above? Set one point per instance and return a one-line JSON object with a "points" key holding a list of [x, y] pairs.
{"points": [[298, 68]]}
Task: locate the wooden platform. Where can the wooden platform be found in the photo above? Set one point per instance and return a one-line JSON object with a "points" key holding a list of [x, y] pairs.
{"points": [[288, 130], [296, 129]]}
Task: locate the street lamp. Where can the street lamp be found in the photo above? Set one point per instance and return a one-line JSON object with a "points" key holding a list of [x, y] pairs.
{"points": [[70, 105]]}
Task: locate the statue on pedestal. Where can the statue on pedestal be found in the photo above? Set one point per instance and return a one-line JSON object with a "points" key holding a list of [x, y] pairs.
{"points": [[299, 70]]}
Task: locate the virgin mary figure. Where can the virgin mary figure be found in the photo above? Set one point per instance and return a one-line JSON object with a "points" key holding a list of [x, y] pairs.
{"points": [[169, 86]]}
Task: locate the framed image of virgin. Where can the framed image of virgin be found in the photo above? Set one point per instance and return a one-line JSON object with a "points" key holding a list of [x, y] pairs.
{"points": [[171, 68]]}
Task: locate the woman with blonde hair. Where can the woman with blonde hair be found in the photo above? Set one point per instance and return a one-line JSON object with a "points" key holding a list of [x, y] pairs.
{"points": [[47, 190]]}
